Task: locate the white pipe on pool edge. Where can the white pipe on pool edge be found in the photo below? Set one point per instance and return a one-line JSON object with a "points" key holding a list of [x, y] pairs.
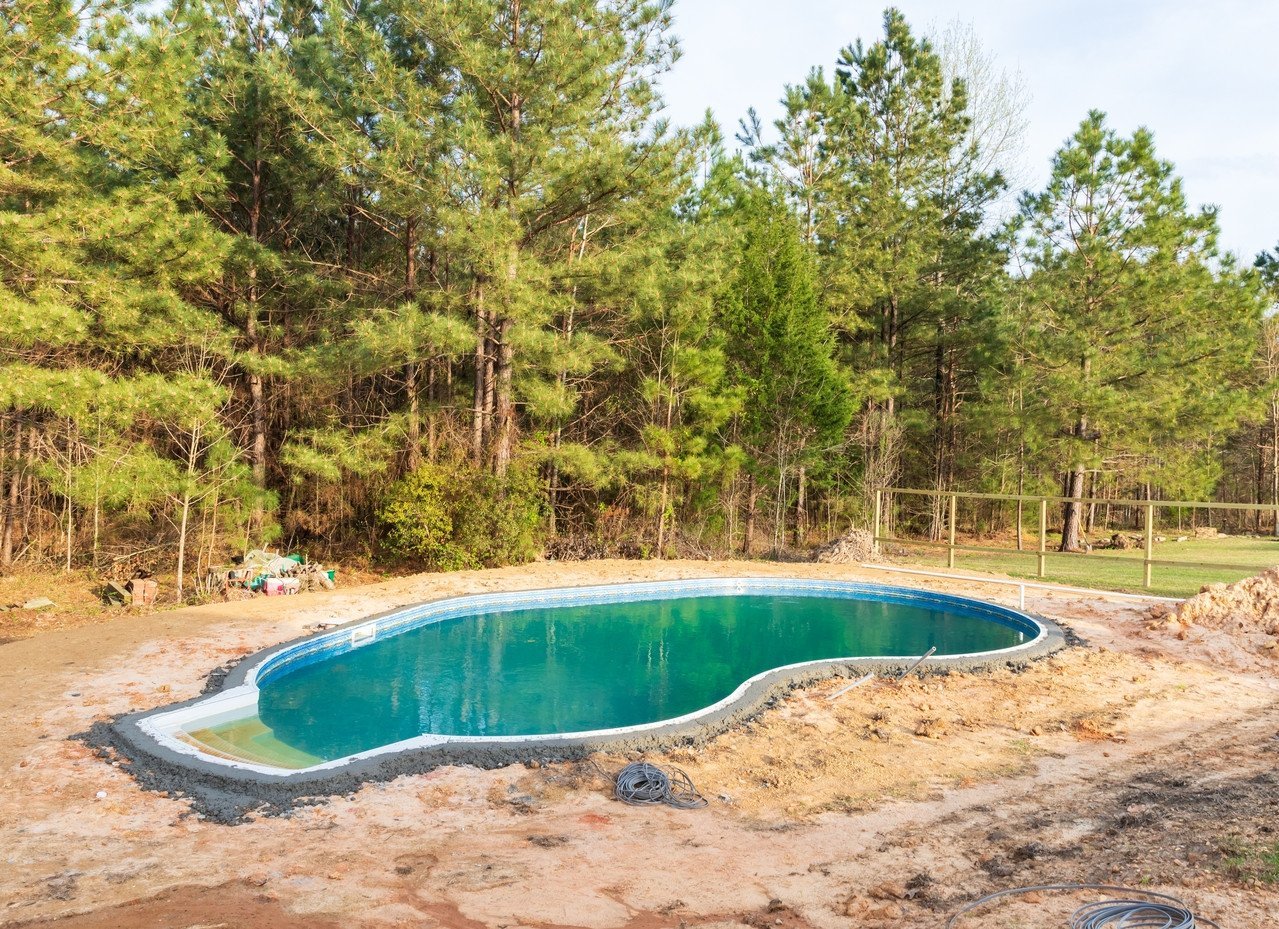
{"points": [[846, 688], [1020, 584]]}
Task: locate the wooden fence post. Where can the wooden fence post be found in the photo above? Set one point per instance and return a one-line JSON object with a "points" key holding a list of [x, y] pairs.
{"points": [[1043, 534], [950, 548]]}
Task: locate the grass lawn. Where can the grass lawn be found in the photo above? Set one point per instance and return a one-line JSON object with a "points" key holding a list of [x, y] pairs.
{"points": [[1120, 570]]}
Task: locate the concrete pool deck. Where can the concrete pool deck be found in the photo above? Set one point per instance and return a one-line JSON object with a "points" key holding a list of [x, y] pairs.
{"points": [[816, 803]]}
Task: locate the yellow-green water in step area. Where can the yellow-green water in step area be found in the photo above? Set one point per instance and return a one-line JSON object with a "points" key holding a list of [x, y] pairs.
{"points": [[251, 740], [580, 667]]}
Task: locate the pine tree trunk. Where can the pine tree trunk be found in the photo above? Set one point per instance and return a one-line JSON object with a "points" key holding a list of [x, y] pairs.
{"points": [[412, 374], [481, 377], [413, 438], [213, 526], [1274, 461], [1259, 478], [1072, 511], [801, 507], [67, 509], [886, 447], [11, 498], [663, 503], [66, 512], [779, 510], [257, 400], [945, 433], [504, 402], [1021, 510], [257, 406], [667, 421], [748, 535], [432, 429], [490, 383], [937, 524], [552, 497], [192, 455], [28, 483]]}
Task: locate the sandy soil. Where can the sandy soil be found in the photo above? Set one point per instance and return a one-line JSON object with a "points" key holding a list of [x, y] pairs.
{"points": [[77, 597], [1142, 758]]}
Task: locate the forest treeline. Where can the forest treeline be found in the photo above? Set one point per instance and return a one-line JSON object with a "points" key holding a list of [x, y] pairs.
{"points": [[439, 279]]}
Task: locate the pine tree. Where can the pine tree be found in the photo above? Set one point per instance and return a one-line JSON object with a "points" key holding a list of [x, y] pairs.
{"points": [[551, 122], [894, 141], [101, 248], [370, 92], [796, 403], [1140, 327], [677, 399], [891, 186]]}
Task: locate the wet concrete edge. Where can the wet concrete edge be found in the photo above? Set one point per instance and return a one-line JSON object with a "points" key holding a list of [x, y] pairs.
{"points": [[230, 795]]}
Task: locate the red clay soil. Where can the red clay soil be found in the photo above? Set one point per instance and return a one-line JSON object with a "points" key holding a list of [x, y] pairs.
{"points": [[236, 904], [1247, 612], [1144, 758]]}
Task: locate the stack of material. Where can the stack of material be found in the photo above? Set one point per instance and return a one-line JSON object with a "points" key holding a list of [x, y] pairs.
{"points": [[1248, 611], [269, 564], [281, 586], [143, 591], [314, 576], [140, 590], [1124, 543], [853, 547], [274, 575]]}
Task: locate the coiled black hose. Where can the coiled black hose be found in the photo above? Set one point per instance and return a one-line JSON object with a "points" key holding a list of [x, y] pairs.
{"points": [[643, 783], [1155, 911]]}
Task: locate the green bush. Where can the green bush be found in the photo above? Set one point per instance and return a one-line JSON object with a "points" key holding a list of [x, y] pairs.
{"points": [[453, 517]]}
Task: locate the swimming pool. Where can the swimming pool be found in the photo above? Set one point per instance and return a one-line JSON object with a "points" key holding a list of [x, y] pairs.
{"points": [[551, 673]]}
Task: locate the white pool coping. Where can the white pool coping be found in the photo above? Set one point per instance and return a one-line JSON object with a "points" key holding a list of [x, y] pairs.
{"points": [[239, 698]]}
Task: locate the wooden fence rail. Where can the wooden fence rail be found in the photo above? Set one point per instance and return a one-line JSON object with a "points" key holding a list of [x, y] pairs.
{"points": [[1041, 554]]}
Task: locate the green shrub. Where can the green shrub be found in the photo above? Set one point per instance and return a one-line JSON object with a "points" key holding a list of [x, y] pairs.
{"points": [[453, 517]]}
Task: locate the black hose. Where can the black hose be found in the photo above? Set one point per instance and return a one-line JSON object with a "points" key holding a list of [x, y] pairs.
{"points": [[642, 783], [1156, 911]]}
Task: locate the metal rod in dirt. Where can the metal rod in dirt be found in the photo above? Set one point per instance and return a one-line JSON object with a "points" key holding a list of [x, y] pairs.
{"points": [[917, 662], [847, 687]]}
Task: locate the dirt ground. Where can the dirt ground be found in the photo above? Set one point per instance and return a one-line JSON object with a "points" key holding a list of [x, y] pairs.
{"points": [[77, 598], [1142, 758]]}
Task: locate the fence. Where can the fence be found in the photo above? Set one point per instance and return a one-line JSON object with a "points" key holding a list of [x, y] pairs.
{"points": [[945, 506]]}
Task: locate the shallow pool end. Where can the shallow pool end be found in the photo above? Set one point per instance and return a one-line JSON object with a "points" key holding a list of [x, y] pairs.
{"points": [[230, 792]]}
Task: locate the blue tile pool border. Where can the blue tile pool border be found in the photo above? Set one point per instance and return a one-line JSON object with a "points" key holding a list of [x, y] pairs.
{"points": [[148, 739], [285, 659]]}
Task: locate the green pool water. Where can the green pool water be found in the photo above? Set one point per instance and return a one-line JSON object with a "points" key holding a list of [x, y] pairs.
{"points": [[579, 668]]}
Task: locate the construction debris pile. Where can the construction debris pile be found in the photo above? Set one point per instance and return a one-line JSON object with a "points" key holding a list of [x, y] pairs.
{"points": [[1248, 610], [140, 590], [852, 547], [271, 574]]}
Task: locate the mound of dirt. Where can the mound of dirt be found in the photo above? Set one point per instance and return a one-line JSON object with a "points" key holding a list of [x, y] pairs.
{"points": [[1247, 610], [853, 547]]}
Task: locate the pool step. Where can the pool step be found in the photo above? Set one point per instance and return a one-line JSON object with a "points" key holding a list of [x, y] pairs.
{"points": [[248, 740], [205, 747]]}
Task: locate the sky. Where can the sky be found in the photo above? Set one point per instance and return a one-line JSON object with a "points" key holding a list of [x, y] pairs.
{"points": [[1203, 75]]}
